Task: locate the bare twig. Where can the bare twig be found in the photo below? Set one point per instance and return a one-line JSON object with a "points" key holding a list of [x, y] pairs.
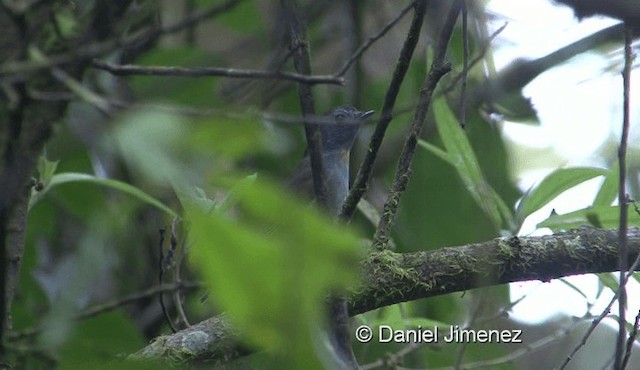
{"points": [[74, 85], [438, 69], [364, 173], [630, 341], [127, 70], [406, 350], [298, 45], [483, 50], [623, 260], [465, 66], [558, 335], [160, 280], [115, 304], [178, 256], [345, 67], [602, 316], [96, 49]]}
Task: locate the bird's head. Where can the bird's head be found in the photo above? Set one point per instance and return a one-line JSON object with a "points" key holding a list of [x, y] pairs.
{"points": [[339, 127]]}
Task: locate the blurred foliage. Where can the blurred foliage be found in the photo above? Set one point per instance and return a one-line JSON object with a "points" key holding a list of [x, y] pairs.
{"points": [[271, 270], [181, 153]]}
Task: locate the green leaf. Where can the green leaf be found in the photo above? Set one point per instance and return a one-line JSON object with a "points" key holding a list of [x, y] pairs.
{"points": [[608, 280], [460, 154], [553, 185], [436, 151], [272, 265], [46, 169], [609, 189], [232, 197], [68, 177], [606, 217]]}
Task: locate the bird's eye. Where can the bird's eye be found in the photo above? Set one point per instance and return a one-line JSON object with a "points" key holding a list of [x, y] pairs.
{"points": [[340, 117]]}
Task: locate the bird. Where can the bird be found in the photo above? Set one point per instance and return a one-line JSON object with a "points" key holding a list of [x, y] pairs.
{"points": [[338, 128]]}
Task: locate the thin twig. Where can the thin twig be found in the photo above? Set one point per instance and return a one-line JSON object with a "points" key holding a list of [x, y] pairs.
{"points": [[366, 169], [178, 256], [114, 304], [600, 317], [623, 258], [128, 69], [465, 66], [298, 45], [630, 341], [483, 51], [345, 67], [96, 49], [438, 69], [406, 350], [539, 344], [165, 312]]}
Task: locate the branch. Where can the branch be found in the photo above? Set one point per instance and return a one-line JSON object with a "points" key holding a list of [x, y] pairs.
{"points": [[625, 10], [438, 69], [366, 169], [115, 304], [126, 70], [390, 278], [521, 72], [358, 53], [93, 50], [623, 261]]}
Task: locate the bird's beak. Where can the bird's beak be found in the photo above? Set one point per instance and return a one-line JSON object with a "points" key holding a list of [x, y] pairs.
{"points": [[366, 114]]}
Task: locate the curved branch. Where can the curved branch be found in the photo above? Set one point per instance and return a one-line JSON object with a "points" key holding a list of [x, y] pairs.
{"points": [[390, 278]]}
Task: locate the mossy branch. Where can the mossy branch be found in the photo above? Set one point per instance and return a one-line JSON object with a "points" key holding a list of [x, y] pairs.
{"points": [[390, 278]]}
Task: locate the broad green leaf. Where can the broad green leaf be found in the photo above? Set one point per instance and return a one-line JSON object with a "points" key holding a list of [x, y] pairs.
{"points": [[461, 155], [606, 217], [609, 189], [553, 185], [272, 265], [63, 178]]}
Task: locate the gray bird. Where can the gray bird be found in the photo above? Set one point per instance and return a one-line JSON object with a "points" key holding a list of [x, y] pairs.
{"points": [[338, 128]]}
